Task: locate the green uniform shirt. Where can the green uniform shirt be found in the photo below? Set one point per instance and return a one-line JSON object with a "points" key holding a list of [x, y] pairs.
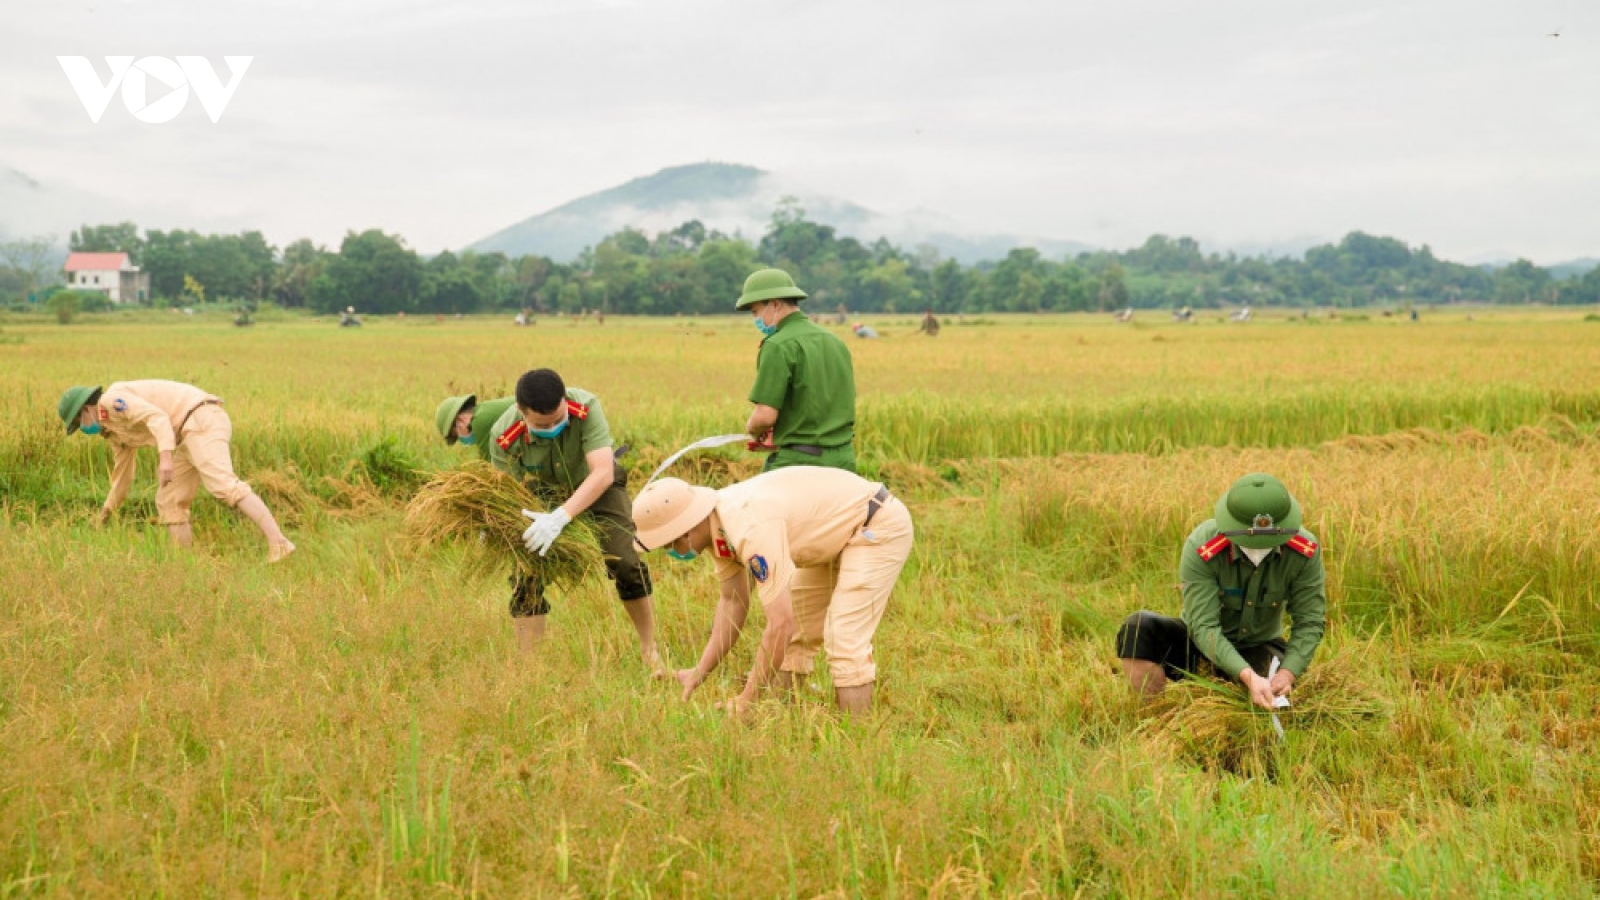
{"points": [[804, 372], [1229, 603], [556, 462], [483, 422]]}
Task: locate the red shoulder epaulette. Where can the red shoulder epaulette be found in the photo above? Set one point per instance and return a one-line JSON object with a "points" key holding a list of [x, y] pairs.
{"points": [[512, 435], [577, 410], [1302, 546], [1213, 547]]}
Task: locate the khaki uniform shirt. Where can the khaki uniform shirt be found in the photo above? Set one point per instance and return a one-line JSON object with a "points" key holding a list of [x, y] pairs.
{"points": [[557, 463], [789, 518], [146, 413], [1229, 603]]}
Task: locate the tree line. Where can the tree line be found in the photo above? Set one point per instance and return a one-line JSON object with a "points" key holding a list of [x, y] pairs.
{"points": [[692, 270]]}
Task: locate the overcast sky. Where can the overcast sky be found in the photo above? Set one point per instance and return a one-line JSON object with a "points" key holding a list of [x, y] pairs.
{"points": [[1457, 123]]}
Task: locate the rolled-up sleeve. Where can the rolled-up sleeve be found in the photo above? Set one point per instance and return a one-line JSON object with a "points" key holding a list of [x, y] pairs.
{"points": [[596, 430]]}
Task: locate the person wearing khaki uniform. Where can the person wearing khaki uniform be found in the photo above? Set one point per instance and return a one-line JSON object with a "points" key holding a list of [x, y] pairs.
{"points": [[191, 433], [770, 528]]}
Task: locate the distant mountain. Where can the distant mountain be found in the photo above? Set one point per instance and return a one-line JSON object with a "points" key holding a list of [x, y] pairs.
{"points": [[1561, 271], [1576, 268], [31, 208], [737, 199]]}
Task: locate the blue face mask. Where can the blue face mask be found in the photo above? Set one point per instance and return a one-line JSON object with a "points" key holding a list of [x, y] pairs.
{"points": [[91, 428], [554, 432], [469, 440], [765, 329], [681, 557]]}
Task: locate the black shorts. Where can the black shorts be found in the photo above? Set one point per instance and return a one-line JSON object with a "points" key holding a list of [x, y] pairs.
{"points": [[1165, 640]]}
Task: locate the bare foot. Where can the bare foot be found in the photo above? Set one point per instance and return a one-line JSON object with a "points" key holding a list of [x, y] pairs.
{"points": [[279, 552], [652, 661]]}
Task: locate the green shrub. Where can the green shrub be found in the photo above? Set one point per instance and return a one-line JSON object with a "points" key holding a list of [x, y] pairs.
{"points": [[66, 305]]}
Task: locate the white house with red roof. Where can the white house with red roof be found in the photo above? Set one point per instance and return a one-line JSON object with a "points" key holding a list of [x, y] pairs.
{"points": [[111, 274]]}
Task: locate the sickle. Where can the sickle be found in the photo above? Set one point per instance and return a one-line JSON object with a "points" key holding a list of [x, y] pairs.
{"points": [[702, 444]]}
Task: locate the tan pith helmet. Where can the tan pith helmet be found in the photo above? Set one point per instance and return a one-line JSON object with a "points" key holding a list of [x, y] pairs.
{"points": [[665, 511]]}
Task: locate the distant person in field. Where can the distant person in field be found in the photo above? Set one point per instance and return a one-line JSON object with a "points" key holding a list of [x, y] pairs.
{"points": [[1240, 572], [556, 440], [192, 436], [850, 532], [866, 332], [348, 318], [465, 420], [930, 325], [804, 397]]}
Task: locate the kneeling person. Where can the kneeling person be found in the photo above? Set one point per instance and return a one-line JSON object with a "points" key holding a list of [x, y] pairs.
{"points": [[556, 441], [1240, 572], [797, 517]]}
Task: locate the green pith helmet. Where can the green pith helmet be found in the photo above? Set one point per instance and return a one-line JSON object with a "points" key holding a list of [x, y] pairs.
{"points": [[769, 284], [444, 421], [1257, 513], [73, 402]]}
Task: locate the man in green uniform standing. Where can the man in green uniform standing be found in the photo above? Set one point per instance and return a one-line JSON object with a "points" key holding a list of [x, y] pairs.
{"points": [[1240, 572], [805, 409], [805, 390], [464, 419], [555, 439]]}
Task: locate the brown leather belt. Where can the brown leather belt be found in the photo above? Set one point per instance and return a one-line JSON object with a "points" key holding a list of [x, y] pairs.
{"points": [[191, 412], [875, 504]]}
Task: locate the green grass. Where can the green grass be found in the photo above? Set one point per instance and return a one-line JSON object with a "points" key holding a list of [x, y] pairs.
{"points": [[355, 721]]}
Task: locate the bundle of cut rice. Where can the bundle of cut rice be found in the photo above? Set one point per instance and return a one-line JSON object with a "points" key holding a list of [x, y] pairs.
{"points": [[481, 507], [1215, 725]]}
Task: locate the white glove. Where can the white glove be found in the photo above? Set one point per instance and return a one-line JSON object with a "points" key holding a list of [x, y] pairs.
{"points": [[545, 529]]}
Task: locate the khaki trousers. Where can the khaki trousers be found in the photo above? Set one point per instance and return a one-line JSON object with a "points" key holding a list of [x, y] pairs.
{"points": [[201, 458], [837, 607]]}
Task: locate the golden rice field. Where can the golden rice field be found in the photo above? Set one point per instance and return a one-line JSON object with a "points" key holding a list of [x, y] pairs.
{"points": [[355, 722]]}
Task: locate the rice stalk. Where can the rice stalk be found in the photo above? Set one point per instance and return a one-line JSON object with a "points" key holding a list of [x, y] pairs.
{"points": [[1214, 724], [480, 507]]}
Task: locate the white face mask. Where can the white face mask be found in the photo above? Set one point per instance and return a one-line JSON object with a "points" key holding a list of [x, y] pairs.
{"points": [[1256, 556]]}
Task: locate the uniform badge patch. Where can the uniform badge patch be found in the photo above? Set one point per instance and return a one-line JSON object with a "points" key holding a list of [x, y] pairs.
{"points": [[1212, 547], [104, 416], [758, 568], [511, 435], [120, 404], [1302, 546], [721, 548]]}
